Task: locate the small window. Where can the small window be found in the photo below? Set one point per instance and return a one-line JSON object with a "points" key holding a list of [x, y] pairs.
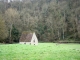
{"points": [[34, 41], [25, 43], [30, 43]]}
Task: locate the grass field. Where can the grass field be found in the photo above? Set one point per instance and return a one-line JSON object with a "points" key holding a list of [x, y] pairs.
{"points": [[43, 51]]}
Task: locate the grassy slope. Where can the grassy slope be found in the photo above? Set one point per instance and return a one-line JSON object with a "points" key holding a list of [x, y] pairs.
{"points": [[43, 51]]}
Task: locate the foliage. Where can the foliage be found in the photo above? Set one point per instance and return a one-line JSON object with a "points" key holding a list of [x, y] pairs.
{"points": [[15, 34], [11, 15], [3, 30], [52, 20]]}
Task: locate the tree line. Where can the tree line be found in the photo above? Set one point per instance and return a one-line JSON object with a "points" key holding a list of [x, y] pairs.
{"points": [[52, 20]]}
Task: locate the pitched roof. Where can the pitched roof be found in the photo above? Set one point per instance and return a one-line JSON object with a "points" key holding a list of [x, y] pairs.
{"points": [[26, 37]]}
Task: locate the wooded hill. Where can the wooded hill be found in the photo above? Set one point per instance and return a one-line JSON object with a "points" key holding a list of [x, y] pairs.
{"points": [[52, 20]]}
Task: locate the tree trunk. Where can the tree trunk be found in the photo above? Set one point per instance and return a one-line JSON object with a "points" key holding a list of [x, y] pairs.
{"points": [[58, 34], [76, 31], [63, 34], [10, 41], [63, 25]]}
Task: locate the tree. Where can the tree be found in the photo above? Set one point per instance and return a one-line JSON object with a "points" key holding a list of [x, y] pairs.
{"points": [[28, 19], [15, 34], [3, 30], [11, 16]]}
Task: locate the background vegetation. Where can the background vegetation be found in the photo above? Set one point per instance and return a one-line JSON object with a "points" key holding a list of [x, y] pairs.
{"points": [[52, 20]]}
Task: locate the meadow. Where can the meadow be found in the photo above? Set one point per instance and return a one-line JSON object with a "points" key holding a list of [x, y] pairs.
{"points": [[42, 51]]}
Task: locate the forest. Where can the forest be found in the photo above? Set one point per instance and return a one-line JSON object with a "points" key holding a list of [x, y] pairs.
{"points": [[51, 20]]}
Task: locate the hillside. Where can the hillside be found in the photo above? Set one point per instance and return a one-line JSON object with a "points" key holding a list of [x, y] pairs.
{"points": [[52, 20]]}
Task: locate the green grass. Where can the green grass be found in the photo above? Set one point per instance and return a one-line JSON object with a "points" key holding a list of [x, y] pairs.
{"points": [[43, 51]]}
